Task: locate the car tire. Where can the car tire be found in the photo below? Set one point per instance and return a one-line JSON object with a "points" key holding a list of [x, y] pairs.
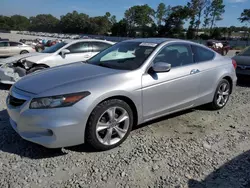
{"points": [[221, 95], [101, 124], [36, 69], [24, 52]]}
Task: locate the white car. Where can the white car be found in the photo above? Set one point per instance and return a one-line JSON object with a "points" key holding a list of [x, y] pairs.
{"points": [[59, 54], [9, 48]]}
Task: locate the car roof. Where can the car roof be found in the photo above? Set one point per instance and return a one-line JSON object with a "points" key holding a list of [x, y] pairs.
{"points": [[153, 40], [90, 40]]}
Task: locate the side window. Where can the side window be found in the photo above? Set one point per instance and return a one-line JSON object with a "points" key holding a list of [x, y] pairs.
{"points": [[4, 44], [99, 46], [202, 54], [176, 55], [14, 44], [79, 47]]}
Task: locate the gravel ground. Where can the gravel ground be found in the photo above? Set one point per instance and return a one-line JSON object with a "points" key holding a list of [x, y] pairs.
{"points": [[193, 149]]}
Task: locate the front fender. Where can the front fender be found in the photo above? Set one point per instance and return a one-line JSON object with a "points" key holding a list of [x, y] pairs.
{"points": [[135, 97]]}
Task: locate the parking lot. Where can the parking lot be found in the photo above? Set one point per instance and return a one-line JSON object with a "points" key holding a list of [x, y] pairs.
{"points": [[192, 149]]}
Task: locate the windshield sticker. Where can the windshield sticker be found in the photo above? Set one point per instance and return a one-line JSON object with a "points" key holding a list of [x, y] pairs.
{"points": [[148, 44]]}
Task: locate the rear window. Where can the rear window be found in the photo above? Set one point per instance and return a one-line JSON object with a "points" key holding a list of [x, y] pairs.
{"points": [[15, 44], [79, 47], [4, 44], [245, 52], [202, 54]]}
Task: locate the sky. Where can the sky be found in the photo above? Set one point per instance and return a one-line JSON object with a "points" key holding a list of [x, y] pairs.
{"points": [[57, 8]]}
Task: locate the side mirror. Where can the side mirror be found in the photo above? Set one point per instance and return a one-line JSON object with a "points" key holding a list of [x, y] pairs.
{"points": [[64, 52], [161, 67], [236, 53]]}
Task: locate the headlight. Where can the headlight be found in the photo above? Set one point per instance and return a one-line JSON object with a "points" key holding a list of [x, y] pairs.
{"points": [[57, 101]]}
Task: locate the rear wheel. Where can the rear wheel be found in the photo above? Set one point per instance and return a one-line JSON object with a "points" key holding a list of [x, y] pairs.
{"points": [[24, 52], [221, 95], [109, 124]]}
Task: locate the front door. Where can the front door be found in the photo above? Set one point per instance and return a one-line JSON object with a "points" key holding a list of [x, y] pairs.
{"points": [[79, 51], [14, 48], [171, 91]]}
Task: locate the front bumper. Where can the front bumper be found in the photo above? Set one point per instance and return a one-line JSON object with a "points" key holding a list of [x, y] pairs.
{"points": [[5, 79], [51, 128]]}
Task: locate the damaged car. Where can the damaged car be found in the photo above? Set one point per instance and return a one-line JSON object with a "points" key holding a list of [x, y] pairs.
{"points": [[56, 55]]}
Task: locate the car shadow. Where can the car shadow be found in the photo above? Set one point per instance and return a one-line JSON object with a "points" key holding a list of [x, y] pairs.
{"points": [[163, 118], [5, 87], [243, 81], [11, 142], [88, 149], [233, 174]]}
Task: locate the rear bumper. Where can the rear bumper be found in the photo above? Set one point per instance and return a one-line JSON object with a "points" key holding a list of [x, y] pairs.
{"points": [[242, 72]]}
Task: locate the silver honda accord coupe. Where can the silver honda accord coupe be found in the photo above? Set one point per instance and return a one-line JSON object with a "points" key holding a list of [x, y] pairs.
{"points": [[132, 82]]}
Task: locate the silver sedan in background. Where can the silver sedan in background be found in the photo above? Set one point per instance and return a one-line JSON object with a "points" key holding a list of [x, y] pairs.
{"points": [[8, 48], [132, 82]]}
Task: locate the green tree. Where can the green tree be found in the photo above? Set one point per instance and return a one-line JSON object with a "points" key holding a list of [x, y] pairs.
{"points": [[44, 22], [20, 23], [101, 24], [245, 16], [161, 13], [217, 9], [216, 33], [108, 14], [120, 28], [196, 8], [190, 33], [139, 16], [175, 21], [5, 22], [113, 19], [224, 31], [207, 12], [75, 23]]}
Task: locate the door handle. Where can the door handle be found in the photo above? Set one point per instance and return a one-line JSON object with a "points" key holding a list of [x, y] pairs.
{"points": [[194, 71]]}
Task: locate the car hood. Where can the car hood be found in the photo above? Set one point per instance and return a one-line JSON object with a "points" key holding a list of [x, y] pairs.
{"points": [[39, 57], [58, 76], [17, 57], [242, 60]]}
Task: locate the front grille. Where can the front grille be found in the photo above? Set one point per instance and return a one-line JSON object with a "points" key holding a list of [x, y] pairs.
{"points": [[15, 102]]}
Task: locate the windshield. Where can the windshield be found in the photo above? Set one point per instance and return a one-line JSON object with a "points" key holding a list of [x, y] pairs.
{"points": [[124, 55], [54, 48], [245, 52]]}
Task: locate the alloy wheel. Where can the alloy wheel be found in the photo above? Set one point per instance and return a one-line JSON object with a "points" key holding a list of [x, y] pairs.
{"points": [[223, 94], [112, 125]]}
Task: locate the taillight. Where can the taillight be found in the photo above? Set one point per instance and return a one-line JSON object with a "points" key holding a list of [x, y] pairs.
{"points": [[234, 63]]}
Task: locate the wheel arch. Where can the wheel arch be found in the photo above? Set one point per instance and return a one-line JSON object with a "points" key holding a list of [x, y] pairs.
{"points": [[24, 51], [230, 80], [126, 99]]}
